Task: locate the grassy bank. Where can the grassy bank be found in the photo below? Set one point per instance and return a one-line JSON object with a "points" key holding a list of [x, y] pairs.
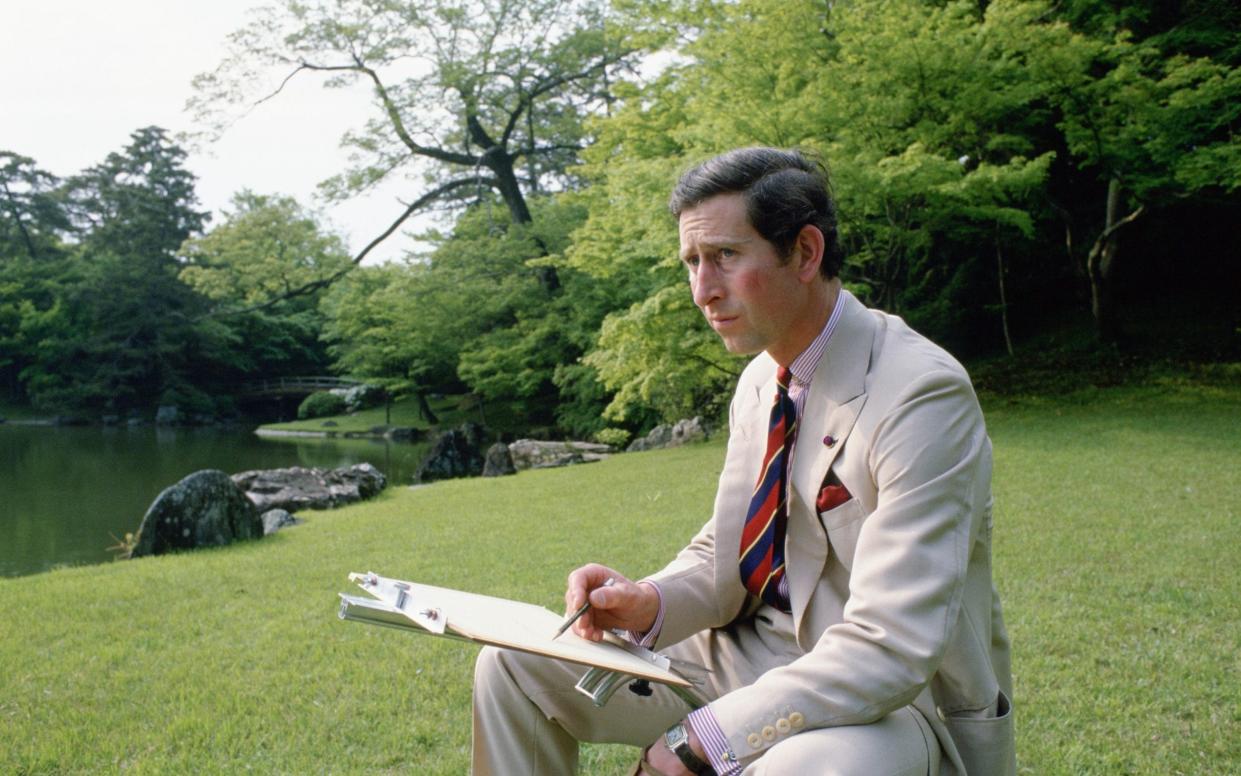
{"points": [[1118, 521], [404, 412]]}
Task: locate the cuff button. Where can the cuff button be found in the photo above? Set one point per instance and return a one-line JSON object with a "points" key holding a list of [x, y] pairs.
{"points": [[797, 720], [754, 741], [783, 726], [769, 733]]}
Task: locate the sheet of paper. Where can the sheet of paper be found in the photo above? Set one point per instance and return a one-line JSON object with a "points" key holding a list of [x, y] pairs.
{"points": [[505, 623]]}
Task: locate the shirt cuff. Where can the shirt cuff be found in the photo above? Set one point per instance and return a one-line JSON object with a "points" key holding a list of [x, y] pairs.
{"points": [[714, 743], [648, 638]]}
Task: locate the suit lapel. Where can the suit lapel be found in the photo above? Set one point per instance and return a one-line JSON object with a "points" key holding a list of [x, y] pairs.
{"points": [[837, 394]]}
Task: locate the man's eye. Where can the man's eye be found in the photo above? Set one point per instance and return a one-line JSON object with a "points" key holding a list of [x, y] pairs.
{"points": [[690, 261], [727, 253]]}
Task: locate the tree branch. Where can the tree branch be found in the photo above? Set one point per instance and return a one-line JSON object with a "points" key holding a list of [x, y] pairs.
{"points": [[394, 115], [315, 285], [548, 83]]}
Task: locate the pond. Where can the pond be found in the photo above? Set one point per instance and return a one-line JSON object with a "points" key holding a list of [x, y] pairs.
{"points": [[67, 494]]}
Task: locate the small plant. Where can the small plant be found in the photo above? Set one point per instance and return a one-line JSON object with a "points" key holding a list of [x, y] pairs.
{"points": [[320, 404], [613, 437], [124, 548]]}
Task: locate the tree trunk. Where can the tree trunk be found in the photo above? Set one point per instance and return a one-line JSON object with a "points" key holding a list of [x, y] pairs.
{"points": [[501, 165], [1101, 262], [424, 409], [999, 266]]}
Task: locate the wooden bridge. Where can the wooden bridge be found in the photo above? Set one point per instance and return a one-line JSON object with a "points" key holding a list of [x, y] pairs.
{"points": [[295, 386]]}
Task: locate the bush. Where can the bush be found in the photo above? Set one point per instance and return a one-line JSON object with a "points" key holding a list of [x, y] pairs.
{"points": [[615, 437], [320, 404]]}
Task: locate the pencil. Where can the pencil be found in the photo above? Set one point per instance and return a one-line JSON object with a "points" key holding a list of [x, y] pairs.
{"points": [[580, 610]]}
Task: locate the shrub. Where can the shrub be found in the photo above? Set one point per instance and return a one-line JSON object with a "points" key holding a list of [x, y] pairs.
{"points": [[615, 437], [320, 404]]}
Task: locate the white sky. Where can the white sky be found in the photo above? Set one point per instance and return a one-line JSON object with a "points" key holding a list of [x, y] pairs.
{"points": [[78, 76]]}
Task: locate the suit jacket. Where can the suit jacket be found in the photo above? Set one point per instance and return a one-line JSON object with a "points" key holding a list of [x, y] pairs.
{"points": [[891, 592]]}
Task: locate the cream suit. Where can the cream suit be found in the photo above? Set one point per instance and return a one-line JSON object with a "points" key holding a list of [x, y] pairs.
{"points": [[892, 599]]}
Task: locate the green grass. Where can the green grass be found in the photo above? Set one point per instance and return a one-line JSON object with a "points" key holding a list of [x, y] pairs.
{"points": [[1118, 520]]}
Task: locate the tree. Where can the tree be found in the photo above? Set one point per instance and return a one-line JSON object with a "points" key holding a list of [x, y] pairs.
{"points": [[33, 227], [123, 335], [251, 267], [1151, 129], [32, 216], [472, 97], [470, 316], [920, 115]]}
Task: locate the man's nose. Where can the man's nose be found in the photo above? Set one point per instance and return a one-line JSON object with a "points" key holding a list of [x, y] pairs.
{"points": [[705, 285]]}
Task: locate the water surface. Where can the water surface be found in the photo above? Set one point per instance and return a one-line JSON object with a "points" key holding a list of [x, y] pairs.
{"points": [[66, 493]]}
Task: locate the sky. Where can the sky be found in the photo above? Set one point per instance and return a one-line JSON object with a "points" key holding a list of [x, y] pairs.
{"points": [[78, 76]]}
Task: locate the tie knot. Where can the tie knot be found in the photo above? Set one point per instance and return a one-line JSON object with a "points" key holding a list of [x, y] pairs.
{"points": [[783, 376]]}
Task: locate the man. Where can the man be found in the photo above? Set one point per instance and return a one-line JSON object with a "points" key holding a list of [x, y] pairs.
{"points": [[844, 603]]}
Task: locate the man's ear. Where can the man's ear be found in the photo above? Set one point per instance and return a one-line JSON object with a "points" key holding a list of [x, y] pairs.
{"points": [[808, 252]]}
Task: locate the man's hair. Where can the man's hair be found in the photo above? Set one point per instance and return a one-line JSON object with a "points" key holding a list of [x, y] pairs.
{"points": [[783, 192]]}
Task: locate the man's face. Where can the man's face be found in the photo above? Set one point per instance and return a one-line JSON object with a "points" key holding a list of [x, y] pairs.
{"points": [[748, 295]]}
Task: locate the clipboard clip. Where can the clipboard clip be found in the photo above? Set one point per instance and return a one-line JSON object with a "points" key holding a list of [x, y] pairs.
{"points": [[600, 684], [425, 615]]}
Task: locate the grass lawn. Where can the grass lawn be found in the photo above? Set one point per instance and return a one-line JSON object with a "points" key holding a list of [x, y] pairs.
{"points": [[1118, 521]]}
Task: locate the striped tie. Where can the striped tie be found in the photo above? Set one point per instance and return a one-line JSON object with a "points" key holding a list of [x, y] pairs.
{"points": [[762, 540]]}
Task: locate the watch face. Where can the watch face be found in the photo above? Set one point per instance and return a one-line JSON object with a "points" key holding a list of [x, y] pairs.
{"points": [[676, 735]]}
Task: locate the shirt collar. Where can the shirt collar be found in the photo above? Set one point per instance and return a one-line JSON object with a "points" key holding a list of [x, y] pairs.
{"points": [[804, 365]]}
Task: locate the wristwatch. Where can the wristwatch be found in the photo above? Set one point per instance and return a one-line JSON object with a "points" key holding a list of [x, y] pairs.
{"points": [[677, 739]]}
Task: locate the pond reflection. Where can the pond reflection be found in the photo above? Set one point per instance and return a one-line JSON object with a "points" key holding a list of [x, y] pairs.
{"points": [[65, 493]]}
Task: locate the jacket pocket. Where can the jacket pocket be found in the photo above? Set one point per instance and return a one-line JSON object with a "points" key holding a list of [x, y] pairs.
{"points": [[986, 744], [842, 525]]}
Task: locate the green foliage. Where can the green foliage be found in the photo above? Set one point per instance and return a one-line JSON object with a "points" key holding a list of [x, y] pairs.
{"points": [[616, 437], [120, 333], [320, 404], [260, 268], [267, 247], [662, 355], [475, 315]]}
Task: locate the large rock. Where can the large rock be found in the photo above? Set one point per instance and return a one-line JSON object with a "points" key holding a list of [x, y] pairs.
{"points": [[304, 488], [455, 453], [540, 454], [203, 510], [498, 461], [663, 435]]}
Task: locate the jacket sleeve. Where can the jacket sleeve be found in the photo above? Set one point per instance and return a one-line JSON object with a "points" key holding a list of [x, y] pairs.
{"points": [[696, 594]]}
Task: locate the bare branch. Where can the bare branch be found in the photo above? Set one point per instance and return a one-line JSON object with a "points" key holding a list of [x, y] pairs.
{"points": [[548, 83], [394, 115]]}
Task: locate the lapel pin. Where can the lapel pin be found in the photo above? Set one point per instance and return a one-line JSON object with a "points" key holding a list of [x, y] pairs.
{"points": [[829, 440]]}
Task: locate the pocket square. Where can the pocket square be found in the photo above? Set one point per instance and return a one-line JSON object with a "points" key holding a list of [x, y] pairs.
{"points": [[831, 497]]}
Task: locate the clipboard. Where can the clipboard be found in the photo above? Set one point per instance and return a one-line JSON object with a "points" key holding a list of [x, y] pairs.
{"points": [[500, 622]]}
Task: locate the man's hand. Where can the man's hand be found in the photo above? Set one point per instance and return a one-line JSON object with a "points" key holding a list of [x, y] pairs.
{"points": [[624, 604]]}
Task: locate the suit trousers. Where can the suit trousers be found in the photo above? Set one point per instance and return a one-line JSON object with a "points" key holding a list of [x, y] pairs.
{"points": [[528, 718]]}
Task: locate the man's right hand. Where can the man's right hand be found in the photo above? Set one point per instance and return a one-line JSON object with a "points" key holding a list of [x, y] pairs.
{"points": [[624, 604]]}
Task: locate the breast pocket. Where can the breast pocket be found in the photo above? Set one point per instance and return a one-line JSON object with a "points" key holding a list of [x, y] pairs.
{"points": [[842, 525]]}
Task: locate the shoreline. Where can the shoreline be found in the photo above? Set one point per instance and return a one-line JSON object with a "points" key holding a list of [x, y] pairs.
{"points": [[263, 431]]}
